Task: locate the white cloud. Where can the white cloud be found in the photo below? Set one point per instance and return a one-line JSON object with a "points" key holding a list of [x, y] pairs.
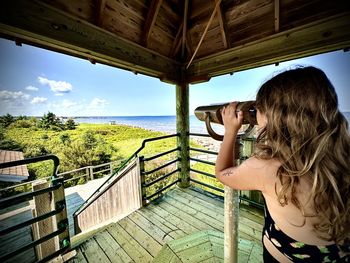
{"points": [[13, 102], [68, 104], [38, 100], [6, 95], [65, 104], [58, 87], [97, 103], [32, 88], [59, 94]]}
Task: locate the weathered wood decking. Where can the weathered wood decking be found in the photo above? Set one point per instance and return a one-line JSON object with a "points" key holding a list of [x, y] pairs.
{"points": [[140, 236], [75, 196]]}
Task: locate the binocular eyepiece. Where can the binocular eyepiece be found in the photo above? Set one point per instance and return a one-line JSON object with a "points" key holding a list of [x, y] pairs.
{"points": [[212, 113]]}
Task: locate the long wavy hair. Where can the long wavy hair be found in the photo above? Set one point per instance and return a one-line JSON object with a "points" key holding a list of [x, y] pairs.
{"points": [[309, 136]]}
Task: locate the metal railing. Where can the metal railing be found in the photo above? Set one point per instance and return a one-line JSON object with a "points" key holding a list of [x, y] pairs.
{"points": [[205, 185], [105, 186], [86, 173], [56, 191]]}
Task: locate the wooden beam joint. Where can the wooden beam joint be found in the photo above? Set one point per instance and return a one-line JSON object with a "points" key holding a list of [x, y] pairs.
{"points": [[150, 20]]}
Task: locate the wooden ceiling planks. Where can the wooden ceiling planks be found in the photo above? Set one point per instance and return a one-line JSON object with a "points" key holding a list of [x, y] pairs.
{"points": [[152, 15], [292, 15], [161, 28]]}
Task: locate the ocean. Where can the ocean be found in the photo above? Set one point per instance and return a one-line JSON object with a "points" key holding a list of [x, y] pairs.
{"points": [[165, 124]]}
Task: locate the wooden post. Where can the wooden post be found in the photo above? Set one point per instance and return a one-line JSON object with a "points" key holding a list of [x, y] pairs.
{"points": [[87, 173], [231, 217], [182, 127], [141, 165], [231, 208], [110, 169], [42, 205], [91, 173], [60, 219]]}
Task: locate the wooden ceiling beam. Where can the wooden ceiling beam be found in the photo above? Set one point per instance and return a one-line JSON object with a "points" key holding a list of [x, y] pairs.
{"points": [[100, 5], [223, 27], [150, 20], [184, 29], [204, 33], [176, 41], [38, 24], [318, 37], [277, 15]]}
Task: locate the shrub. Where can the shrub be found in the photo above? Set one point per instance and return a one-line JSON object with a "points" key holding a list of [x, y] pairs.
{"points": [[89, 139], [22, 124], [65, 138], [50, 121], [70, 124], [34, 150], [11, 145], [6, 120]]}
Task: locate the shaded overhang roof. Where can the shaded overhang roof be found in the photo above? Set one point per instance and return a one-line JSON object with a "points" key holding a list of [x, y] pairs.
{"points": [[180, 41]]}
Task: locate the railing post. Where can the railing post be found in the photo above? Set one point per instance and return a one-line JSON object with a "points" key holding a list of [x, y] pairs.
{"points": [[42, 205], [91, 168], [231, 216], [87, 173], [110, 168], [141, 164], [182, 127], [61, 219]]}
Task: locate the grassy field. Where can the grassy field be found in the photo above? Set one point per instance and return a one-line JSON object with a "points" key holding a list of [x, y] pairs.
{"points": [[88, 144]]}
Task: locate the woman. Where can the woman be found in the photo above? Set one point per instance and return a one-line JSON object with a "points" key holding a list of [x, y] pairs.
{"points": [[301, 165]]}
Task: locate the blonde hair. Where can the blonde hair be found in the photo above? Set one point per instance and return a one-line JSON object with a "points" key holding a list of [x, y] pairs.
{"points": [[309, 136]]}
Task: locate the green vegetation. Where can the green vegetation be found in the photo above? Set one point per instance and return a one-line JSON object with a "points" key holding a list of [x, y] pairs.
{"points": [[85, 145]]}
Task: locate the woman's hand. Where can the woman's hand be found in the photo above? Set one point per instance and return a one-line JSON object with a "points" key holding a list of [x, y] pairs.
{"points": [[232, 120]]}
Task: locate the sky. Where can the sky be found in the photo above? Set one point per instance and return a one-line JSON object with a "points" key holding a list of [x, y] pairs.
{"points": [[34, 81]]}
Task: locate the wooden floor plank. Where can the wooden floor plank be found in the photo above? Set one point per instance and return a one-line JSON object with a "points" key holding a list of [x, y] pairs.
{"points": [[79, 258], [150, 228], [134, 250], [184, 216], [162, 223], [141, 236], [247, 212], [196, 254], [212, 209], [111, 248], [177, 221], [217, 221], [93, 253]]}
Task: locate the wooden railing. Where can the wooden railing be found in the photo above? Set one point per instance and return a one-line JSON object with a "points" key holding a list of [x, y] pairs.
{"points": [[49, 223], [71, 178], [116, 200], [126, 190]]}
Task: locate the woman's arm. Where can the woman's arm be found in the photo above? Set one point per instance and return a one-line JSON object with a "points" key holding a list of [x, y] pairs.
{"points": [[232, 123], [247, 176]]}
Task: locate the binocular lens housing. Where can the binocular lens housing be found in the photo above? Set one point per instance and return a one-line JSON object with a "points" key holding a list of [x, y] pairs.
{"points": [[212, 114]]}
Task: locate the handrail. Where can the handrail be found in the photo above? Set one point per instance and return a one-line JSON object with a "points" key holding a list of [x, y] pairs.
{"points": [[52, 157], [12, 200], [161, 154], [134, 155], [33, 244], [161, 167], [32, 221], [202, 161], [241, 198], [161, 178]]}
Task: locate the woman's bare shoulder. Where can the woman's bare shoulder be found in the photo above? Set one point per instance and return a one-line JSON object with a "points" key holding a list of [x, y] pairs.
{"points": [[264, 165]]}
